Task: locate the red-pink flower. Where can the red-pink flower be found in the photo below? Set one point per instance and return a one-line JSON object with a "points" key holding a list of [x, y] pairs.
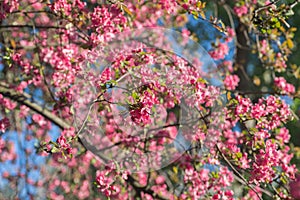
{"points": [[40, 120], [61, 6], [7, 6], [62, 142], [240, 10], [220, 52], [104, 182], [244, 105], [230, 34], [4, 124], [231, 82], [106, 75], [295, 187], [283, 86], [160, 180], [283, 135], [258, 110]]}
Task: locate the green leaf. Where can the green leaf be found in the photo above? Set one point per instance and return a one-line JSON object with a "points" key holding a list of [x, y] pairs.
{"points": [[215, 175], [195, 14], [55, 150], [239, 155], [278, 24]]}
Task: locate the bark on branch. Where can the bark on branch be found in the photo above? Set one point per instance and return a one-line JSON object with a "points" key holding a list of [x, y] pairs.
{"points": [[24, 100], [31, 26]]}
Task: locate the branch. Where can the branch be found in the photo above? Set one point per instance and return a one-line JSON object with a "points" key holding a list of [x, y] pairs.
{"points": [[292, 5], [138, 188], [240, 178], [30, 26], [265, 7], [23, 99]]}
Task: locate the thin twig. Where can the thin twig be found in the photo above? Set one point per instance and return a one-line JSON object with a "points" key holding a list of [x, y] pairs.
{"points": [[24, 100], [238, 173], [30, 26], [292, 5]]}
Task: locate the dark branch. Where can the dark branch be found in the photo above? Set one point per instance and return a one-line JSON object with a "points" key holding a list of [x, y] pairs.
{"points": [[24, 100], [30, 26]]}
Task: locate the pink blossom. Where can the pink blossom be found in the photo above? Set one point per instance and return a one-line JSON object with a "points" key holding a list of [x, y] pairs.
{"points": [[4, 124], [62, 142], [40, 120], [8, 6], [244, 106], [104, 182], [264, 47], [141, 114], [22, 86], [258, 110], [231, 82], [160, 180], [23, 111], [199, 136], [7, 103], [228, 65], [106, 22], [70, 132], [142, 178], [230, 34], [283, 86], [280, 63], [276, 111], [84, 190], [220, 52], [295, 187], [106, 75], [169, 5], [146, 196], [240, 10], [65, 186], [61, 6], [283, 135], [244, 161], [185, 36], [264, 160], [226, 177], [5, 174]]}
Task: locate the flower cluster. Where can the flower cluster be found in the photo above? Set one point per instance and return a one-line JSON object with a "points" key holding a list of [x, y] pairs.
{"points": [[65, 7], [220, 52], [275, 113], [105, 183], [202, 180], [8, 6], [150, 103], [141, 114], [231, 82], [295, 187], [7, 103], [106, 22], [106, 180], [7, 151], [243, 106], [269, 158], [64, 145], [240, 10], [4, 124], [283, 86], [62, 6]]}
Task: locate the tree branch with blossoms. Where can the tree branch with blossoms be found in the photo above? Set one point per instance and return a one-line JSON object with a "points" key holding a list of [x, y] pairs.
{"points": [[137, 120]]}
